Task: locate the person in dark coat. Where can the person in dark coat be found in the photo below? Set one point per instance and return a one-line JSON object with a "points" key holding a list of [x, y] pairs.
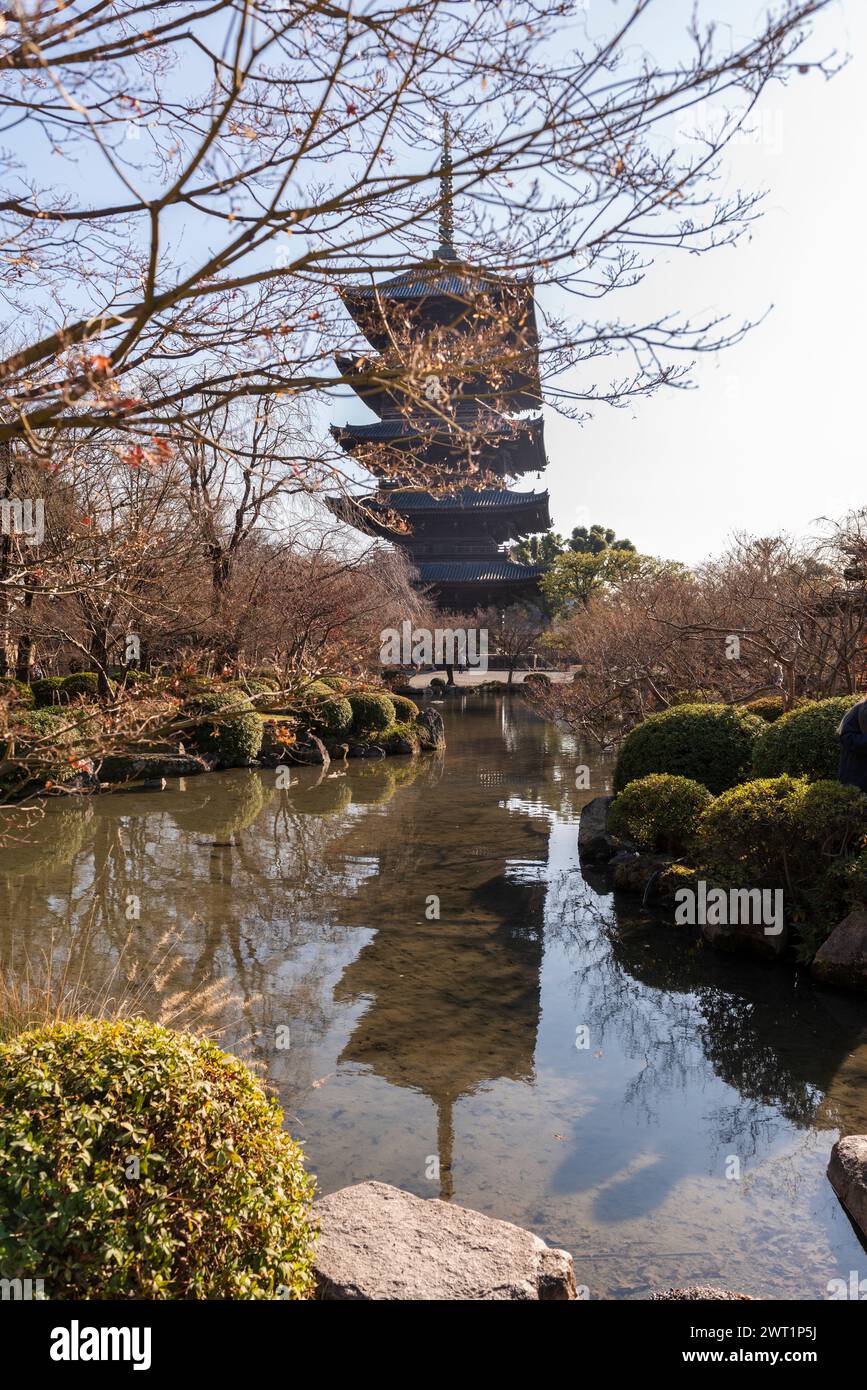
{"points": [[852, 732]]}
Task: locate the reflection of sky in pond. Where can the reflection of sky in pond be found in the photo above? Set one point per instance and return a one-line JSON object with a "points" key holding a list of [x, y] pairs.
{"points": [[415, 1035]]}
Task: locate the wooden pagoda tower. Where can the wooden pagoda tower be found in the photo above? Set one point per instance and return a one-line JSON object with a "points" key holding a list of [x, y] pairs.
{"points": [[463, 423]]}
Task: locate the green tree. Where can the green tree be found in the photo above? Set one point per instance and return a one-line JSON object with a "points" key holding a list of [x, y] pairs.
{"points": [[595, 539], [575, 575]]}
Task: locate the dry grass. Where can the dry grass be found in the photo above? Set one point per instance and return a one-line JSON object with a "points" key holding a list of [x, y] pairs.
{"points": [[44, 992]]}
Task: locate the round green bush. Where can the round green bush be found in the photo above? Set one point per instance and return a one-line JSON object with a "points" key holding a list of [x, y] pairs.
{"points": [[767, 707], [372, 711], [81, 685], [139, 1163], [16, 692], [330, 713], [659, 812], [227, 728], [437, 681], [711, 744], [338, 683], [745, 835], [47, 691], [804, 742], [405, 710]]}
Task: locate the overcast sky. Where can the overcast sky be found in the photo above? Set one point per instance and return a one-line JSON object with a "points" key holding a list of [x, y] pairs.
{"points": [[774, 435]]}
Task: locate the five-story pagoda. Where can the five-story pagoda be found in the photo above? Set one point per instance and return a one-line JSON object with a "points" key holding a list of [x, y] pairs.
{"points": [[453, 377]]}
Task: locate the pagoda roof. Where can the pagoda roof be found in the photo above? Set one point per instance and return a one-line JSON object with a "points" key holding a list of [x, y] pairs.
{"points": [[438, 279], [382, 391], [464, 499], [518, 513], [475, 571], [508, 447]]}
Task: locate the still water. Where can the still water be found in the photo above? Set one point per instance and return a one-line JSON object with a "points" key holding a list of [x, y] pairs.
{"points": [[439, 1053]]}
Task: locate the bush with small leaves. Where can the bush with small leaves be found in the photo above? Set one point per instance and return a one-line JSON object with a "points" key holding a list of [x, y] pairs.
{"points": [[659, 812], [767, 707], [804, 742], [711, 744], [405, 710], [47, 691], [226, 727], [329, 713], [372, 711], [139, 1163], [789, 833]]}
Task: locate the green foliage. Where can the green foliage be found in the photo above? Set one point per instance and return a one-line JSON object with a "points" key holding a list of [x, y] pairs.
{"points": [[804, 742], [545, 548], [227, 727], [15, 692], [786, 832], [47, 691], [329, 712], [220, 1206], [712, 744], [256, 687], [574, 576], [372, 711], [659, 812], [767, 707], [405, 710], [81, 685]]}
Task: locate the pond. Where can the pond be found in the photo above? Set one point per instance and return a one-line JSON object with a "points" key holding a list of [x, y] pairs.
{"points": [[409, 952]]}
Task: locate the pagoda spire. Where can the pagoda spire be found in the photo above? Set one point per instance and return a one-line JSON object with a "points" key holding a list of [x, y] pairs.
{"points": [[445, 250]]}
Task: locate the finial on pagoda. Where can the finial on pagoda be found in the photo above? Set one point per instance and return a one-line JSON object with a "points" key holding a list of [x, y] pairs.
{"points": [[446, 251]]}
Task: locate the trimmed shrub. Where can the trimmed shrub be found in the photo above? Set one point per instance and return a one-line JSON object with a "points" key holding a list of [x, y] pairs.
{"points": [[47, 691], [405, 710], [255, 686], [659, 812], [228, 729], [692, 697], [329, 713], [537, 678], [804, 742], [220, 1206], [767, 707], [339, 683], [711, 744], [81, 685], [372, 711], [16, 692], [789, 833], [744, 837], [437, 680]]}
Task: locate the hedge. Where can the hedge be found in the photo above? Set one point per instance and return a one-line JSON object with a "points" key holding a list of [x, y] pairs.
{"points": [[227, 727], [372, 711], [659, 812], [139, 1163], [711, 744], [804, 742]]}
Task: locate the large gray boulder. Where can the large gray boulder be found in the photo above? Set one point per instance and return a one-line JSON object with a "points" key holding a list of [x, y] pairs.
{"points": [[377, 1242], [842, 960], [847, 1174], [594, 842]]}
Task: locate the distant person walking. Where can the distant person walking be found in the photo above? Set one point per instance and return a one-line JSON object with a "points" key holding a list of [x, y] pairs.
{"points": [[852, 732]]}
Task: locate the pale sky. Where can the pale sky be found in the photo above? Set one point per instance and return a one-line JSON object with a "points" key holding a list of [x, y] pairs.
{"points": [[773, 436]]}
